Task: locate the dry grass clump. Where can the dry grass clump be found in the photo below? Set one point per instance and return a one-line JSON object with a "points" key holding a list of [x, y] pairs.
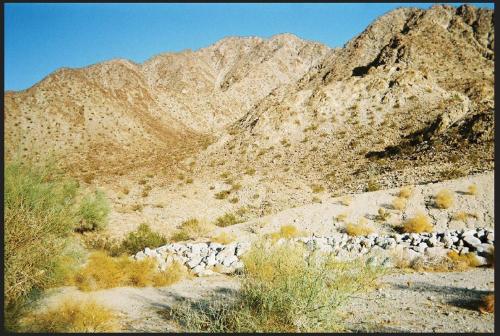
{"points": [[399, 203], [222, 194], [227, 219], [444, 199], [346, 200], [284, 289], [383, 214], [103, 271], [462, 216], [362, 228], [71, 316], [487, 304], [234, 200], [419, 223], [287, 232], [342, 217], [192, 229], [250, 171], [373, 186], [405, 192], [317, 188], [224, 238], [472, 189], [452, 262]]}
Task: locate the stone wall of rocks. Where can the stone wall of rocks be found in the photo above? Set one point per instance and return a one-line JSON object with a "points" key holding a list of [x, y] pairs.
{"points": [[202, 258]]}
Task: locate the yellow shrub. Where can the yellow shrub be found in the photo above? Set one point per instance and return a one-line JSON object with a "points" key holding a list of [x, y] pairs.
{"points": [[286, 231], [417, 224], [224, 238], [487, 304], [399, 203], [192, 229], [472, 189], [467, 259], [72, 316], [102, 271], [346, 200], [405, 192], [360, 229], [444, 199], [461, 216]]}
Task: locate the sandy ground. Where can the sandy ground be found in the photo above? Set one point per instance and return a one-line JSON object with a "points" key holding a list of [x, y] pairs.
{"points": [[404, 302]]}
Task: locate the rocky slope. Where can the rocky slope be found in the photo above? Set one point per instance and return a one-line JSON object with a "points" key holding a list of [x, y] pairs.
{"points": [[267, 125]]}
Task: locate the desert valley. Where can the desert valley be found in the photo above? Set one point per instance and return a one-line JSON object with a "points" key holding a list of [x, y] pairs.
{"points": [[212, 173]]}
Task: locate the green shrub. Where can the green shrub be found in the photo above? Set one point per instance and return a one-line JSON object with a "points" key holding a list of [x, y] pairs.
{"points": [[93, 212], [141, 238], [283, 290], [227, 220], [39, 218]]}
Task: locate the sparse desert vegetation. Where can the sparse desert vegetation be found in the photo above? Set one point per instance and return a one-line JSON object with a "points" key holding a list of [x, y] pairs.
{"points": [[361, 228], [444, 199], [419, 223], [282, 291]]}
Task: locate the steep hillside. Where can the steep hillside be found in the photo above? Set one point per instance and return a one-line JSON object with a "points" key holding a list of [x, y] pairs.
{"points": [[262, 125], [118, 113]]}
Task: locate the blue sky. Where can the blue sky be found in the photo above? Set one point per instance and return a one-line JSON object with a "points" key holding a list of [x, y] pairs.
{"points": [[40, 38]]}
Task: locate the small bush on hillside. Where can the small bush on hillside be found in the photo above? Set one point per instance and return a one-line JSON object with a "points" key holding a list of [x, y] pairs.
{"points": [[317, 188], [234, 200], [360, 229], [373, 186], [405, 192], [222, 194], [346, 200], [227, 220], [444, 199], [383, 214], [141, 238], [103, 271], [284, 289], [399, 203], [419, 223], [99, 241], [287, 232], [192, 229], [472, 189], [224, 238], [72, 316], [93, 212], [250, 171], [461, 216]]}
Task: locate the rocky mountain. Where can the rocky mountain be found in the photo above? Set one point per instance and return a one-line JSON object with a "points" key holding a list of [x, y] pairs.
{"points": [[268, 124]]}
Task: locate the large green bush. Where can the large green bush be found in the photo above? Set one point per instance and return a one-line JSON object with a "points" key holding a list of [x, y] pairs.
{"points": [[39, 217], [283, 290], [93, 212]]}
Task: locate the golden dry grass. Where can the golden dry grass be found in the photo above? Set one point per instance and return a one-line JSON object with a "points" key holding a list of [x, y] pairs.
{"points": [[399, 203], [419, 223], [405, 192], [192, 229], [472, 189], [362, 228], [102, 271], [342, 216], [224, 238], [461, 216], [317, 188], [444, 199], [467, 259], [287, 232], [72, 316], [346, 200]]}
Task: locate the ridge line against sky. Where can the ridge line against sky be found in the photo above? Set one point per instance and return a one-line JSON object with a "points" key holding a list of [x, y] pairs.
{"points": [[41, 38]]}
